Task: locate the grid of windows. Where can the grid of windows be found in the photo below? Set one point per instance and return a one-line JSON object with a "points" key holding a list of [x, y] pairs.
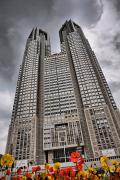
{"points": [[90, 90], [102, 128], [23, 143], [25, 109], [92, 94], [28, 88], [58, 89]]}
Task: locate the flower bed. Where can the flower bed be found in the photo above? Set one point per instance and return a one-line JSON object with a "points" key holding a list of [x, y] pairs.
{"points": [[109, 170]]}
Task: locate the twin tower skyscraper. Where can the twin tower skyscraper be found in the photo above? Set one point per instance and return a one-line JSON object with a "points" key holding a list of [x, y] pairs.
{"points": [[62, 101]]}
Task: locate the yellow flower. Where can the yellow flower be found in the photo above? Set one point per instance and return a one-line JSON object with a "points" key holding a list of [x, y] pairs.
{"points": [[96, 178], [56, 166], [47, 166], [91, 173], [112, 169], [105, 166], [92, 170], [118, 170], [115, 162], [7, 160], [100, 175], [50, 177], [24, 177], [82, 174], [103, 159]]}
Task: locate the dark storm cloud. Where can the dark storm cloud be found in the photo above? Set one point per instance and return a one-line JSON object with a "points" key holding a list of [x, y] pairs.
{"points": [[6, 52], [27, 9], [87, 12], [19, 16], [116, 5], [11, 13]]}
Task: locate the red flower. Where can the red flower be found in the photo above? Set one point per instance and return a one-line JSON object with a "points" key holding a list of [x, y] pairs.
{"points": [[67, 173], [75, 156], [19, 178], [81, 160], [79, 167], [49, 176], [51, 169], [33, 169], [64, 172], [36, 168], [8, 172], [56, 171], [61, 172], [14, 178], [29, 175], [71, 171], [67, 178], [19, 171]]}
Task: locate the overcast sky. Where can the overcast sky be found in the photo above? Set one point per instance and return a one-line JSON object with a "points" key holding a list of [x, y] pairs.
{"points": [[99, 19]]}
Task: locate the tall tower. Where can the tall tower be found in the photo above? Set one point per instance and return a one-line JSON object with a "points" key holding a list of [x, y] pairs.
{"points": [[99, 116], [62, 101], [25, 137]]}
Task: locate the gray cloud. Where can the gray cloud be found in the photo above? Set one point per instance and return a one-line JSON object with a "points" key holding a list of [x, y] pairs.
{"points": [[116, 41], [5, 115], [107, 63], [6, 53], [104, 38], [116, 5], [87, 12], [115, 86], [28, 9], [18, 18], [11, 13]]}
